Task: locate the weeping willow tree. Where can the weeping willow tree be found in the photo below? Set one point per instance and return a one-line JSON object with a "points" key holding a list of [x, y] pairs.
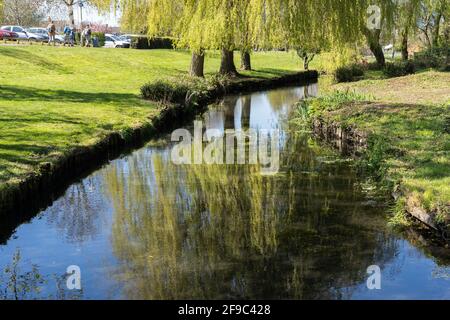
{"points": [[406, 21], [433, 14], [229, 25], [313, 25]]}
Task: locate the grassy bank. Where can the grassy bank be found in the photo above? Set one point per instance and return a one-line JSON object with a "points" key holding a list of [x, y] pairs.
{"points": [[53, 100], [408, 123]]}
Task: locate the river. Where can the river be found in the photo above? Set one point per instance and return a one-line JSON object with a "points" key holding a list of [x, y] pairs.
{"points": [[142, 227]]}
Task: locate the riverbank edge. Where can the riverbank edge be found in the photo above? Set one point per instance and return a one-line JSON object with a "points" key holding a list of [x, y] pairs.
{"points": [[41, 186], [355, 142]]}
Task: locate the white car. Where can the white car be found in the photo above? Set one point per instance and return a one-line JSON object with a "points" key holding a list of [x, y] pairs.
{"points": [[112, 41], [23, 34]]}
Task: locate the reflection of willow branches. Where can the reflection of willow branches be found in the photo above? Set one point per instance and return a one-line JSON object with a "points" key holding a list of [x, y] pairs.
{"points": [[174, 237], [76, 214], [281, 98], [226, 231]]}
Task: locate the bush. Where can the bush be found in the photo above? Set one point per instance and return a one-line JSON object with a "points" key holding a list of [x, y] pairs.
{"points": [[348, 73], [373, 66], [165, 91], [399, 69], [432, 58], [99, 35], [183, 90], [146, 43]]}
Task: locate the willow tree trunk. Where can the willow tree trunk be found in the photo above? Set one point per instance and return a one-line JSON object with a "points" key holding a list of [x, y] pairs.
{"points": [[246, 63], [373, 38], [437, 30], [197, 65], [227, 66], [405, 53]]}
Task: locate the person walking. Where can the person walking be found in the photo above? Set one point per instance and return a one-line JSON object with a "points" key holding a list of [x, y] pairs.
{"points": [[72, 37], [51, 29], [66, 35], [82, 36], [87, 35]]}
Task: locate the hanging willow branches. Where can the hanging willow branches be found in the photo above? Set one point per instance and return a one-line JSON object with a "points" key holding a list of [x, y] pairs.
{"points": [[245, 25]]}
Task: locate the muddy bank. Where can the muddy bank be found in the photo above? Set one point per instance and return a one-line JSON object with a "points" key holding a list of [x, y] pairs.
{"points": [[353, 142], [19, 201]]}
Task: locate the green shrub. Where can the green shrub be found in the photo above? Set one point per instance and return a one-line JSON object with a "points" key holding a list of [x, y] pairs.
{"points": [[398, 69], [165, 91], [100, 36], [348, 73], [183, 90], [146, 43], [373, 66], [436, 57]]}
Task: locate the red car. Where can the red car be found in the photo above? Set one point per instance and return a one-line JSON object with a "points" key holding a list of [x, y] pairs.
{"points": [[5, 34]]}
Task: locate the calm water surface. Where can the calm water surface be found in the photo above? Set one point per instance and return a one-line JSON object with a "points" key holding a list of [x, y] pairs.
{"points": [[143, 228]]}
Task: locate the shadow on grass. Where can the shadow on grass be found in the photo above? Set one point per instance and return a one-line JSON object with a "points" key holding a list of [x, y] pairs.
{"points": [[32, 58], [15, 93]]}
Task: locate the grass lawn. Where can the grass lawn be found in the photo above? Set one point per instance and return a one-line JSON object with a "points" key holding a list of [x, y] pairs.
{"points": [[410, 116], [55, 98]]}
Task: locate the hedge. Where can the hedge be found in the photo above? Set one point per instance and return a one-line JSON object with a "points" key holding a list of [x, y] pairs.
{"points": [[99, 35], [146, 43]]}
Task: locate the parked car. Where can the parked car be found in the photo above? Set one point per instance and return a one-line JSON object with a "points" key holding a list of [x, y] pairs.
{"points": [[22, 33], [112, 41], [5, 34], [39, 31], [44, 33], [59, 38], [125, 38]]}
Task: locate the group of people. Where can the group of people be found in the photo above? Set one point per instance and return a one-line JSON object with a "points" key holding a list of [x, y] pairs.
{"points": [[69, 35]]}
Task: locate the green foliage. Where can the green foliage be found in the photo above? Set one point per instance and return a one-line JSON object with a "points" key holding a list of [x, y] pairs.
{"points": [[436, 57], [348, 73], [399, 217], [100, 36], [143, 42], [182, 90], [374, 160], [399, 69]]}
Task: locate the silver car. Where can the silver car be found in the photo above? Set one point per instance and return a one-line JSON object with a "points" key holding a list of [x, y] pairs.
{"points": [[44, 33], [23, 34]]}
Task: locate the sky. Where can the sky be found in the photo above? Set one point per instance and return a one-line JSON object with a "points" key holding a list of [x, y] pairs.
{"points": [[92, 15]]}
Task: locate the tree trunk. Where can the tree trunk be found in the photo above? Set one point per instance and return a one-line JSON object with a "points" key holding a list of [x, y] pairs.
{"points": [[197, 65], [373, 38], [437, 30], [246, 61], [227, 66], [71, 15], [405, 53]]}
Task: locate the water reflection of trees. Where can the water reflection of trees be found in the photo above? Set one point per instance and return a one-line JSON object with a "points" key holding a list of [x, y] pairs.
{"points": [[228, 232], [77, 214], [18, 284]]}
